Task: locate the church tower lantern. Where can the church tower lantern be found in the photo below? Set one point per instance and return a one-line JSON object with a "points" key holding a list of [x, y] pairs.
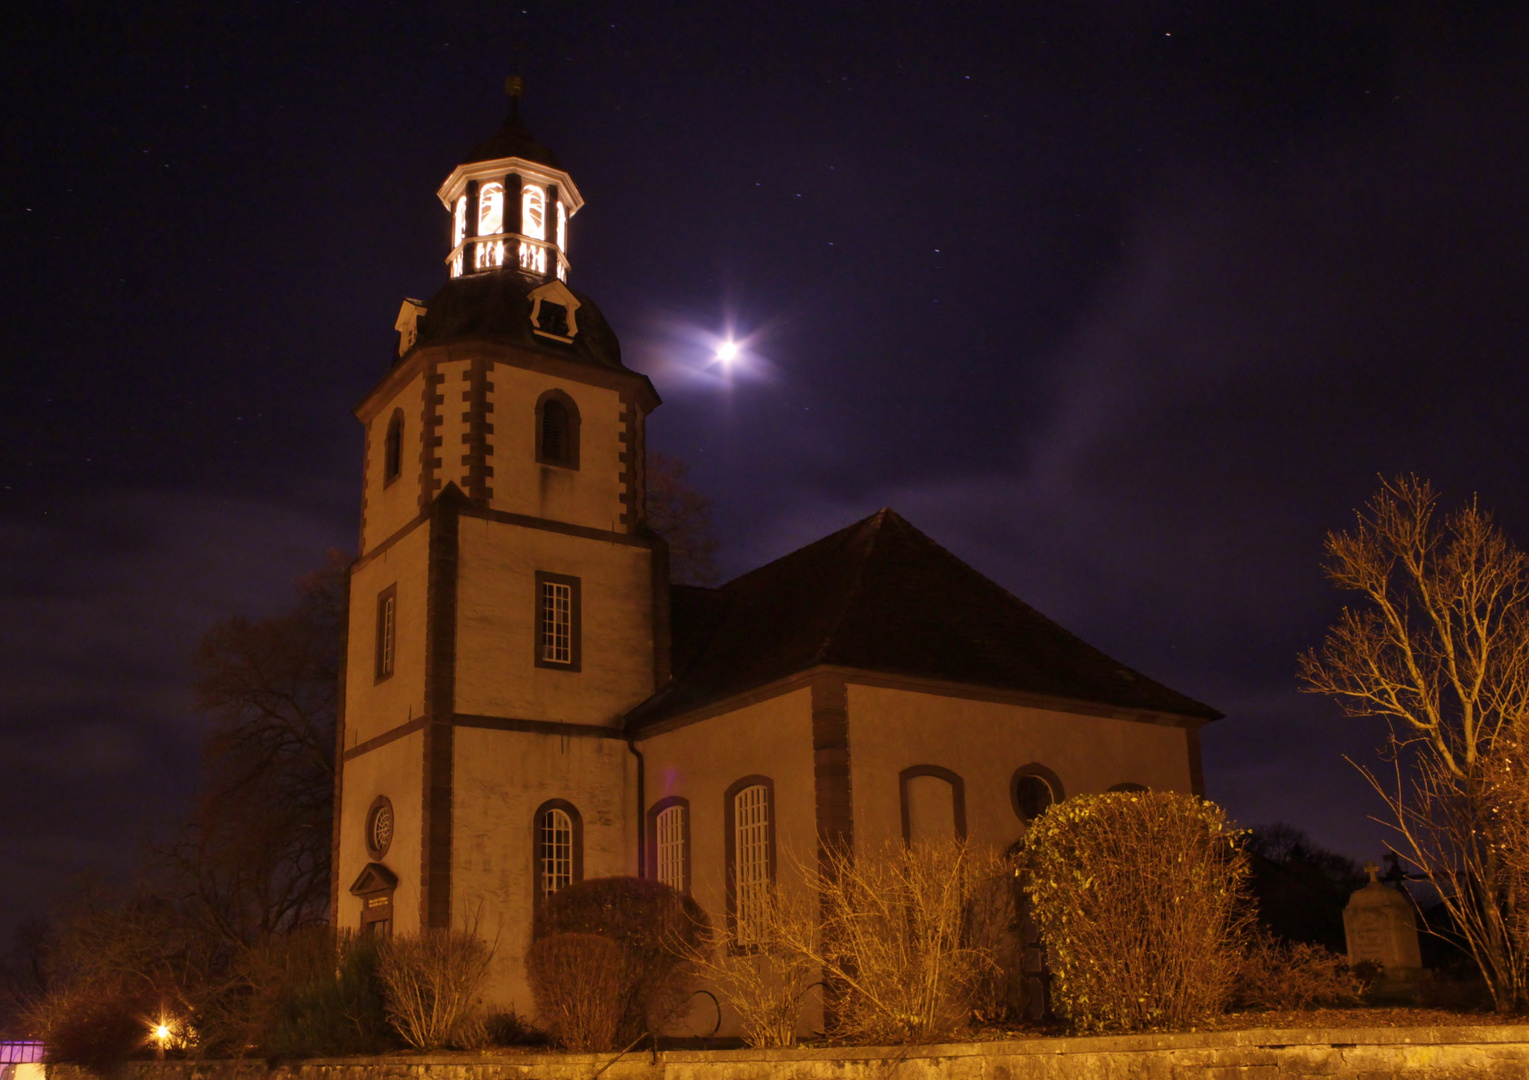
{"points": [[510, 203]]}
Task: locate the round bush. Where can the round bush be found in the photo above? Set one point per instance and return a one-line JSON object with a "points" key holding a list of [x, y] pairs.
{"points": [[651, 923]]}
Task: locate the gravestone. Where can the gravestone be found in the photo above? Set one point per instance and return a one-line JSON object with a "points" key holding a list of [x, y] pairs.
{"points": [[1381, 928]]}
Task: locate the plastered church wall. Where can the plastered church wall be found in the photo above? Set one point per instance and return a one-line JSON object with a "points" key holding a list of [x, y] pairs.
{"points": [[700, 761], [589, 495], [392, 770], [984, 742], [501, 778], [497, 625], [386, 508]]}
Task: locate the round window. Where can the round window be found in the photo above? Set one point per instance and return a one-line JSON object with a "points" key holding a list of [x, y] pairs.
{"points": [[1032, 796], [379, 827]]}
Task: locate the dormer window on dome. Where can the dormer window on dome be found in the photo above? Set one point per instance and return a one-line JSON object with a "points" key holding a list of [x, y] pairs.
{"points": [[510, 204]]}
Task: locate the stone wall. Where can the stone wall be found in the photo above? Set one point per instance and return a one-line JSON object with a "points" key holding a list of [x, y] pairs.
{"points": [[1445, 1053]]}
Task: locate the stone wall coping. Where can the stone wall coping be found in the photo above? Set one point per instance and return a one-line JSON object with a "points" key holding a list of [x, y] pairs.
{"points": [[1263, 1038]]}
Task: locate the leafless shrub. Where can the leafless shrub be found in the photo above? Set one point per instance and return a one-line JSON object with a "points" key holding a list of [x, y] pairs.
{"points": [[431, 983], [579, 982], [765, 985], [1293, 975], [908, 939], [1140, 897]]}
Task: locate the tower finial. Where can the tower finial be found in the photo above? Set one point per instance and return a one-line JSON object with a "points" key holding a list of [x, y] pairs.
{"points": [[514, 89]]}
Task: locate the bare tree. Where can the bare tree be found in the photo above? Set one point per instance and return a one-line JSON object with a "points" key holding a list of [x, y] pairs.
{"points": [[682, 516], [1440, 649], [255, 857]]}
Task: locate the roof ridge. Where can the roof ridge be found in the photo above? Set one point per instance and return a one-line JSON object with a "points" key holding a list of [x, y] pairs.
{"points": [[852, 594]]}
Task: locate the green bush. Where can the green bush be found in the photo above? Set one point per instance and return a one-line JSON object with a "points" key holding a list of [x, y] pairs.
{"points": [[652, 924], [1141, 902]]}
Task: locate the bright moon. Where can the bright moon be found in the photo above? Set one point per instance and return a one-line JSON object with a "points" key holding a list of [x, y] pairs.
{"points": [[726, 352]]}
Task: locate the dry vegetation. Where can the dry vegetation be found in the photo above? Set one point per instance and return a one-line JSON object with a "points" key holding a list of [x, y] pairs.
{"points": [[766, 986], [433, 982], [906, 943]]}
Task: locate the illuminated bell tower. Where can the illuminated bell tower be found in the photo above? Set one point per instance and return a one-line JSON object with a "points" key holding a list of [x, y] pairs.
{"points": [[508, 606]]}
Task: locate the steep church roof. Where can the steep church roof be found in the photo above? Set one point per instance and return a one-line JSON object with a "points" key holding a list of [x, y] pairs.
{"points": [[881, 596]]}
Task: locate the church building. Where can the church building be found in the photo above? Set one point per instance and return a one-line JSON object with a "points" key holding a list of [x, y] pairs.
{"points": [[527, 700]]}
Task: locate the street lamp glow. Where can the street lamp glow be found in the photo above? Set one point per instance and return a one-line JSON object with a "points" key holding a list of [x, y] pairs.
{"points": [[727, 352]]}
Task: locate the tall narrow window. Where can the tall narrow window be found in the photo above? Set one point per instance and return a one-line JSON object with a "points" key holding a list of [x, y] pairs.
{"points": [[559, 847], [557, 851], [672, 830], [557, 621], [387, 630], [458, 234], [533, 224], [557, 429], [392, 454], [490, 223], [751, 862]]}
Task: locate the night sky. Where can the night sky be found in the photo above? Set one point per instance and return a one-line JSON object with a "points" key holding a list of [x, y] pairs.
{"points": [[1124, 303]]}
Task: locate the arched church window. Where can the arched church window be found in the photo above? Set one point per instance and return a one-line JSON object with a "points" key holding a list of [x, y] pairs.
{"points": [[458, 234], [750, 832], [1033, 790], [490, 223], [533, 224], [392, 452], [557, 430], [933, 804], [559, 847], [669, 841]]}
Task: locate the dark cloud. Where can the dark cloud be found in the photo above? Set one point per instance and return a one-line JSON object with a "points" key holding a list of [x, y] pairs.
{"points": [[101, 609]]}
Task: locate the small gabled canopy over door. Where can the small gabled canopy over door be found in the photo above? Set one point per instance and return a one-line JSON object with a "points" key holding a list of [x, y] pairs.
{"points": [[375, 887]]}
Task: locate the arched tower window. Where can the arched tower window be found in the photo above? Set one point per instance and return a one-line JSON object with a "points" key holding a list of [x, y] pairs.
{"points": [[750, 834], [533, 225], [392, 452], [557, 430], [559, 847], [490, 223]]}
